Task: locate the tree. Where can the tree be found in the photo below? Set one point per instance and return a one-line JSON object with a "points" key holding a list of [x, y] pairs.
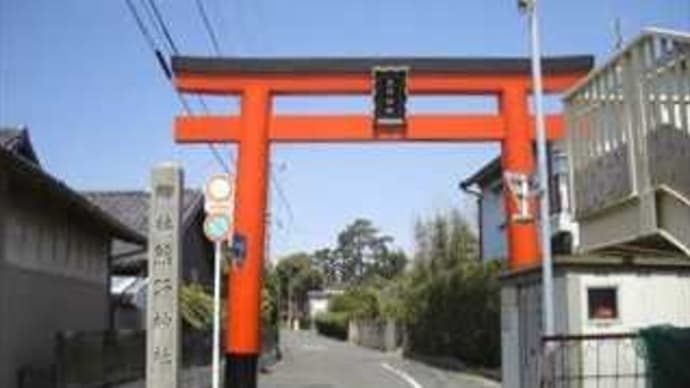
{"points": [[445, 240], [327, 261], [296, 277], [363, 252], [451, 302]]}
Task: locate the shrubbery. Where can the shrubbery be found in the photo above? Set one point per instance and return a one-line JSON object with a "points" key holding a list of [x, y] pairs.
{"points": [[456, 314], [333, 324], [357, 302], [449, 302]]}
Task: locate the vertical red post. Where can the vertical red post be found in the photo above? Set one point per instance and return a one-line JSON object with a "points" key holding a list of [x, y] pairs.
{"points": [[518, 157], [244, 293]]}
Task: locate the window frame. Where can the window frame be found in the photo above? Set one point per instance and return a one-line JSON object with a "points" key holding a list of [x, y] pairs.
{"points": [[587, 310]]}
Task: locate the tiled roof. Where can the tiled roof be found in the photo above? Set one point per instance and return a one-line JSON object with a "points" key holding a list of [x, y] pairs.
{"points": [[17, 141], [17, 157], [8, 137], [486, 175], [132, 209]]}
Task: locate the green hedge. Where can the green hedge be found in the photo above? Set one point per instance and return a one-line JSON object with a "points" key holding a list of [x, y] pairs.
{"points": [[334, 325], [457, 314]]}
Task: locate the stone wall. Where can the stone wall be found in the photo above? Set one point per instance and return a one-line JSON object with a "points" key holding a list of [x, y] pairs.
{"points": [[381, 335]]}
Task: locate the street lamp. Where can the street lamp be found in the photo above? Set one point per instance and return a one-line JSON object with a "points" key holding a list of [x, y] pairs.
{"points": [[529, 7]]}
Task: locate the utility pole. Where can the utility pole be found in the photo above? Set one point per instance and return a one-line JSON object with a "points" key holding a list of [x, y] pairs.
{"points": [[530, 8]]}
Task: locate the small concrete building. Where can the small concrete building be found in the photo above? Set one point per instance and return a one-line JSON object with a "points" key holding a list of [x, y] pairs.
{"points": [[600, 303], [54, 260]]}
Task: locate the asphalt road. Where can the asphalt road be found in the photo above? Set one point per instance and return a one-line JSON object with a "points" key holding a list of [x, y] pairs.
{"points": [[312, 361]]}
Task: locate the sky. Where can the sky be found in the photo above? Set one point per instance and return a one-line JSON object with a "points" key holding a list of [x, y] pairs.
{"points": [[80, 75]]}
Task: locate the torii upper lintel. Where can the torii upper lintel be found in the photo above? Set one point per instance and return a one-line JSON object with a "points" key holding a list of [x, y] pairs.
{"points": [[257, 80]]}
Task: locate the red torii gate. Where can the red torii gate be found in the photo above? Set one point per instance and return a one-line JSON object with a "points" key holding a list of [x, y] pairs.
{"points": [[256, 81]]}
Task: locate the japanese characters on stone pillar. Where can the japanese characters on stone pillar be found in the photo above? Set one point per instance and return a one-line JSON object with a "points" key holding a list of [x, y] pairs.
{"points": [[162, 318]]}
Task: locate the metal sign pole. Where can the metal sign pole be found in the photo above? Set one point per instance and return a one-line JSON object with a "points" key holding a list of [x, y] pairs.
{"points": [[218, 263], [544, 219], [218, 225]]}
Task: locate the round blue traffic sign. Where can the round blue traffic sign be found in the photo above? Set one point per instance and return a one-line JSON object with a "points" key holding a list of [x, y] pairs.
{"points": [[217, 226]]}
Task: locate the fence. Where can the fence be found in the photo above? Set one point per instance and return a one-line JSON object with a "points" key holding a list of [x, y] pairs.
{"points": [[95, 359], [383, 335], [91, 359], [594, 361]]}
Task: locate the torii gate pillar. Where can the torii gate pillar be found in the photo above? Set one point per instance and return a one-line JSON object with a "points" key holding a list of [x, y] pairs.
{"points": [[518, 157], [244, 339]]}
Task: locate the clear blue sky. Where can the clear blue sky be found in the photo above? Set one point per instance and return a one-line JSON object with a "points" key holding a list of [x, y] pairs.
{"points": [[80, 75]]}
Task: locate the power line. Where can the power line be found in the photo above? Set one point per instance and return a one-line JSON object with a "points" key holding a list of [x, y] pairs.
{"points": [[208, 26], [276, 182], [163, 26], [214, 41], [282, 197], [164, 67], [140, 25], [152, 21]]}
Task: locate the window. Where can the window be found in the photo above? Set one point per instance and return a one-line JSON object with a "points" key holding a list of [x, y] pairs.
{"points": [[603, 303]]}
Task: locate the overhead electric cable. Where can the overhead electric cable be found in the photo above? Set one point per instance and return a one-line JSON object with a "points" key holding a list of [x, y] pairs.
{"points": [[165, 68], [163, 26], [208, 26]]}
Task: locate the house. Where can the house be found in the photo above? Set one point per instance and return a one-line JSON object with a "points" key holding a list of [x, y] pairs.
{"points": [[319, 301], [630, 269], [130, 264], [486, 185], [55, 256]]}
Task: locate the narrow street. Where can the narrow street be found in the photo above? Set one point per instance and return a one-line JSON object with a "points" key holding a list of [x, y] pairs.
{"points": [[313, 361]]}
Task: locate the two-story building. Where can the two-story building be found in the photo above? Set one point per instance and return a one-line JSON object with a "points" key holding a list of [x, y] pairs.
{"points": [[487, 186]]}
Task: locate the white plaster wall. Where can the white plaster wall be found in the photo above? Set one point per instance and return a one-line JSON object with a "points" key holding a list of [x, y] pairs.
{"points": [[317, 306], [644, 299]]}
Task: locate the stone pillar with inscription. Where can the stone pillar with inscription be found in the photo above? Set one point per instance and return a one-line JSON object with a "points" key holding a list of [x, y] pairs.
{"points": [[162, 316]]}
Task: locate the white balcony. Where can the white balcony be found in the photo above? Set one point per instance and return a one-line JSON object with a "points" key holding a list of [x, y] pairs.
{"points": [[628, 134]]}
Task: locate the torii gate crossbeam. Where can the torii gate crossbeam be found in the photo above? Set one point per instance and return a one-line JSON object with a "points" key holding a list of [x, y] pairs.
{"points": [[256, 81]]}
